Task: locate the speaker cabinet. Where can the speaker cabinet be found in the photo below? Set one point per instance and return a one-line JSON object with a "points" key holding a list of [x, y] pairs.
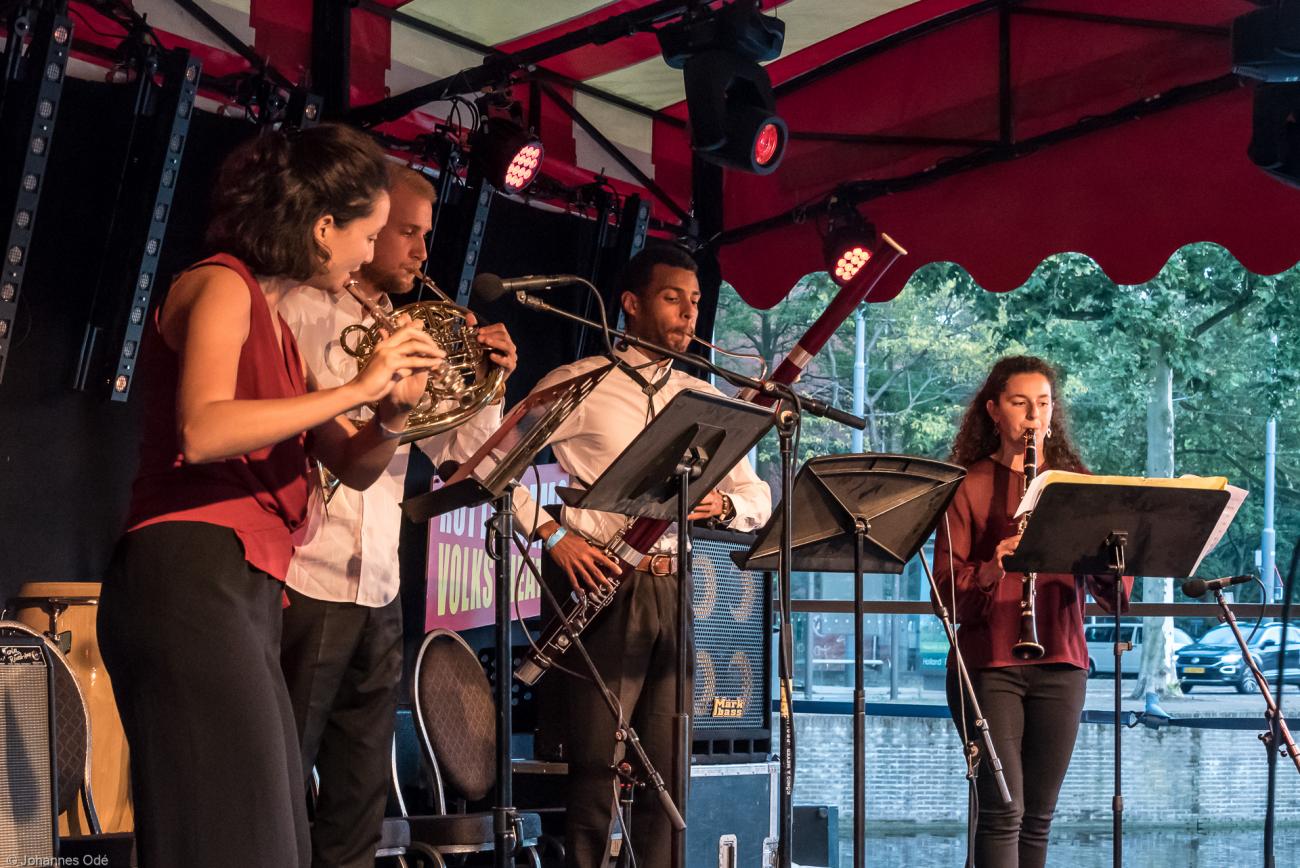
{"points": [[731, 815], [732, 711], [27, 789]]}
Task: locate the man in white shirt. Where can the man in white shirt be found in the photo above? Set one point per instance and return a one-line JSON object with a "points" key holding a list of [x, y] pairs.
{"points": [[634, 640], [341, 648]]}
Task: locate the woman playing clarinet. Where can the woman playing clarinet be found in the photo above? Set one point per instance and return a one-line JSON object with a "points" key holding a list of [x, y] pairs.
{"points": [[1022, 641]]}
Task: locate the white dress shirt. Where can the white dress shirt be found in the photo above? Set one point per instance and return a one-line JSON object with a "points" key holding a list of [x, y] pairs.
{"points": [[347, 551], [605, 423]]}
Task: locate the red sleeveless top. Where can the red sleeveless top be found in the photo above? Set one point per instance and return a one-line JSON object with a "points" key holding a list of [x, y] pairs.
{"points": [[262, 495]]}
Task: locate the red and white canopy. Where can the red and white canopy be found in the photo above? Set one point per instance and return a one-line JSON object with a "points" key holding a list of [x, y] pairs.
{"points": [[991, 133]]}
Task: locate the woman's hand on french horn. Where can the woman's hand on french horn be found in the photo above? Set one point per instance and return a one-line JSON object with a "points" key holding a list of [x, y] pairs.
{"points": [[399, 368]]}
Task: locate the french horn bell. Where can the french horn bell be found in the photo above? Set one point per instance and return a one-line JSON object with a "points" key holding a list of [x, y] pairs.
{"points": [[467, 382]]}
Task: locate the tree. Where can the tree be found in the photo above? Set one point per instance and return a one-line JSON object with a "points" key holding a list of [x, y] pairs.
{"points": [[926, 350], [1179, 375], [1167, 329]]}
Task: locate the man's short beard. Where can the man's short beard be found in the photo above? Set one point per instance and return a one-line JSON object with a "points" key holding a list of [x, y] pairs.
{"points": [[388, 282]]}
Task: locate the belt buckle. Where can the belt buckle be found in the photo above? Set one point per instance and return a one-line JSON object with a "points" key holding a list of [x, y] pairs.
{"points": [[665, 560]]}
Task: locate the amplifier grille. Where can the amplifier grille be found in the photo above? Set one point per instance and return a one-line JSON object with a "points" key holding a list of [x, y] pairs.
{"points": [[26, 799], [731, 638]]}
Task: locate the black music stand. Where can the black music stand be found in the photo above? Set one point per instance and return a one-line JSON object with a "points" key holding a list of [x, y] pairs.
{"points": [[671, 465], [507, 453], [1081, 528], [859, 514], [490, 475]]}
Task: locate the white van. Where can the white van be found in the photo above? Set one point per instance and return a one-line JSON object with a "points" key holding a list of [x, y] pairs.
{"points": [[1101, 652]]}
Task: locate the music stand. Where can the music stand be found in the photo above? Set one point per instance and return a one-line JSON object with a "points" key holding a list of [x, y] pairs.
{"points": [[859, 514], [1081, 528], [670, 466], [490, 474], [508, 452]]}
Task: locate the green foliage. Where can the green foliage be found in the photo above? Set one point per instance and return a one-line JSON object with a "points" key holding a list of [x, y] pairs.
{"points": [[1228, 336]]}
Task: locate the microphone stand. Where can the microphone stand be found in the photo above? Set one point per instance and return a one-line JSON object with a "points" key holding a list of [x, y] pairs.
{"points": [[967, 693], [623, 732], [779, 391], [788, 421], [1277, 732]]}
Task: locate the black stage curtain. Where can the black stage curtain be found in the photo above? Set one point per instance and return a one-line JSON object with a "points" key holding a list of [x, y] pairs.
{"points": [[67, 458]]}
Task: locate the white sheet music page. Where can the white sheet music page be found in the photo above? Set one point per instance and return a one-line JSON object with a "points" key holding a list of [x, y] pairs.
{"points": [[1214, 483], [1235, 497]]}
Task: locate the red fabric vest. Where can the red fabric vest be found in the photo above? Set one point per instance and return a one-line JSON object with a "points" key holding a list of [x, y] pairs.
{"points": [[262, 495]]}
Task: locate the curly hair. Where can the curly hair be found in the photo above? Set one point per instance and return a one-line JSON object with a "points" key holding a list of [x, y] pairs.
{"points": [[272, 189], [978, 437]]}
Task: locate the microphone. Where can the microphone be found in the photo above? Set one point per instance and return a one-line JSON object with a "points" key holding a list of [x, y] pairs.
{"points": [[490, 287], [1198, 587]]}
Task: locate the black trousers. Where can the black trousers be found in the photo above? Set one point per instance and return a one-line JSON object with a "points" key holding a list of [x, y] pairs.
{"points": [[342, 663], [634, 645], [1033, 716], [190, 634]]}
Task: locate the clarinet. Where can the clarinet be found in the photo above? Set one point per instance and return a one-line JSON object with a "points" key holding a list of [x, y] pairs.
{"points": [[631, 545], [1028, 648]]}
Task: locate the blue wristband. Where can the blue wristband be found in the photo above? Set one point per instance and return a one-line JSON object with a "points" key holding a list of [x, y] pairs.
{"points": [[553, 540]]}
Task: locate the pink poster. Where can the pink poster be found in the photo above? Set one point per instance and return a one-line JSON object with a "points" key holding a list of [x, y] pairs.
{"points": [[462, 577]]}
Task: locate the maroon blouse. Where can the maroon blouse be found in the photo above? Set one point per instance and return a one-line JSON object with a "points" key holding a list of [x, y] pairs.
{"points": [[987, 600], [261, 496]]}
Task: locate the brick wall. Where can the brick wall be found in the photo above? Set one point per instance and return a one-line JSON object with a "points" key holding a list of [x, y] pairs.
{"points": [[916, 777]]}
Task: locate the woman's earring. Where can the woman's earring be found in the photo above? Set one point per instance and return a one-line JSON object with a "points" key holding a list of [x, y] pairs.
{"points": [[1048, 435]]}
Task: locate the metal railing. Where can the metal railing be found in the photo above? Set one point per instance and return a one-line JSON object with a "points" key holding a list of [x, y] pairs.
{"points": [[1243, 611]]}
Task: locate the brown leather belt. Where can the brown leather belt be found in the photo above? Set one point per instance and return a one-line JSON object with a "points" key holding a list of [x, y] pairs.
{"points": [[658, 565]]}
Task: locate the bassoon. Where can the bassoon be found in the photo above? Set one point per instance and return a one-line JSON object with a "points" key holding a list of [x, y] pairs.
{"points": [[631, 545]]}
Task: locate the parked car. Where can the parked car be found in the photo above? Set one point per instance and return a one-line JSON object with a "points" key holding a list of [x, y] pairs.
{"points": [[1101, 651], [1215, 659]]}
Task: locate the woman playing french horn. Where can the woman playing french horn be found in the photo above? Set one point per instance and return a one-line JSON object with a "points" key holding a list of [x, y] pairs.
{"points": [[190, 614], [1032, 706]]}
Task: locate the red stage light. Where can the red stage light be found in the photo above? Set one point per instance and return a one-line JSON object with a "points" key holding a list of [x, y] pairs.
{"points": [[850, 243], [767, 145], [523, 168], [849, 263], [508, 156]]}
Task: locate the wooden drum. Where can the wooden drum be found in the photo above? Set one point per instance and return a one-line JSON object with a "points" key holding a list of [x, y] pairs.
{"points": [[56, 609]]}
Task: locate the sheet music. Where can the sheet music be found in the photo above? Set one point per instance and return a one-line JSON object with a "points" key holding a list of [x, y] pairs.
{"points": [[1206, 483], [1235, 497]]}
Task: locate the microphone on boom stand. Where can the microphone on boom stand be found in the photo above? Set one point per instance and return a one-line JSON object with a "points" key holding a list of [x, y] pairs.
{"points": [[1199, 587], [490, 287]]}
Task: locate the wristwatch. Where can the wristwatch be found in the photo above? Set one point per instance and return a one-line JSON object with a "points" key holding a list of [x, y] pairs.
{"points": [[728, 510]]}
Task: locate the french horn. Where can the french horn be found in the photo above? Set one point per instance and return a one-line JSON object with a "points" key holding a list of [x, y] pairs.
{"points": [[467, 382]]}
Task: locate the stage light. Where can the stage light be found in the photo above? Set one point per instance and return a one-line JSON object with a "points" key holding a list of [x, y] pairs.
{"points": [[850, 243], [1275, 133], [728, 94], [505, 154], [731, 107], [1266, 43], [44, 34], [769, 144]]}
